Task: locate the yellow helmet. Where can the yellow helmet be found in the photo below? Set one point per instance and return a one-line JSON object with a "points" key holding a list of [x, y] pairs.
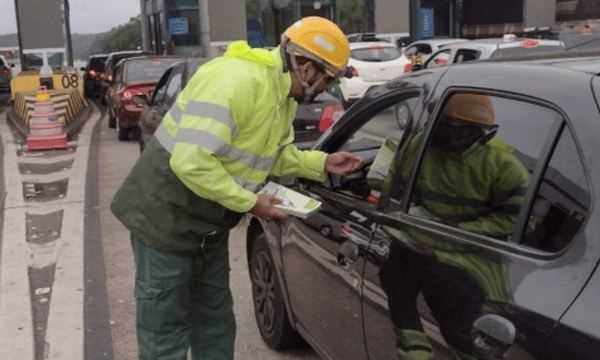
{"points": [[320, 40], [477, 109]]}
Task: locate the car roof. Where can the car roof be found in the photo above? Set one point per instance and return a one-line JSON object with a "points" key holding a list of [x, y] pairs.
{"points": [[98, 56], [150, 57], [580, 61], [126, 52], [370, 44], [501, 43], [440, 42]]}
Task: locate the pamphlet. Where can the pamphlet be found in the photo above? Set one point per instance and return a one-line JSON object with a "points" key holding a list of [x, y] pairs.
{"points": [[292, 202]]}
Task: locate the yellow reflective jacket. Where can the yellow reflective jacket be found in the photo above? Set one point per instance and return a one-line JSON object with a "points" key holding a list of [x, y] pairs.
{"points": [[232, 126]]}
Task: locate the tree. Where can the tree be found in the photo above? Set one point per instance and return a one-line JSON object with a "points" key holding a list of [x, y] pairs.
{"points": [[124, 37]]}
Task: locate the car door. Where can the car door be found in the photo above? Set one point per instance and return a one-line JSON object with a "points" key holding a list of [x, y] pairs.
{"points": [[463, 271], [322, 255]]}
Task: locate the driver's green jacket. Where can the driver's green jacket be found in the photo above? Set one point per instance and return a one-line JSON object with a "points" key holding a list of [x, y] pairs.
{"points": [[230, 128], [480, 190]]}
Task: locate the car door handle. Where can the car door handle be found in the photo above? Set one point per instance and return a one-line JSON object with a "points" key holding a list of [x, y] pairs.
{"points": [[347, 254], [493, 337]]}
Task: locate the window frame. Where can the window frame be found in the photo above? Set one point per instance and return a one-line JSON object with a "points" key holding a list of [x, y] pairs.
{"points": [[346, 128], [441, 51], [176, 70], [513, 246], [161, 84], [458, 52]]}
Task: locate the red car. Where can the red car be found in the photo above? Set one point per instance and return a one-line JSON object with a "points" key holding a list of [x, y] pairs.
{"points": [[134, 77]]}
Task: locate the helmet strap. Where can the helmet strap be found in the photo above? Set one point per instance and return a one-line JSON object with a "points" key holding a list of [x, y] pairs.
{"points": [[309, 90]]}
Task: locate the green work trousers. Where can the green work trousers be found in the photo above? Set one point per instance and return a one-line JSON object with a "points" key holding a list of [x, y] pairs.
{"points": [[184, 301]]}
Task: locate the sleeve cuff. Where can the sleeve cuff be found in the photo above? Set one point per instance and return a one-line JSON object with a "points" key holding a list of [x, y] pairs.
{"points": [[314, 165], [244, 204]]}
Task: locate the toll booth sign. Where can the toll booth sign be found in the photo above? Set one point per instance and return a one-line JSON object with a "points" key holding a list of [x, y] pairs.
{"points": [[426, 23], [179, 26]]}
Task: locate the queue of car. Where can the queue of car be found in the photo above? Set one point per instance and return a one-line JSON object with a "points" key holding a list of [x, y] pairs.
{"points": [[372, 256]]}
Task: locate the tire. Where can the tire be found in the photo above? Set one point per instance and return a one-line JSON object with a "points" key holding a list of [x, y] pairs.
{"points": [[269, 306], [112, 120], [123, 134]]}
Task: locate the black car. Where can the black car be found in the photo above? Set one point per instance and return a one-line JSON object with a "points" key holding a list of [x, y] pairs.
{"points": [[93, 74], [309, 124], [373, 267]]}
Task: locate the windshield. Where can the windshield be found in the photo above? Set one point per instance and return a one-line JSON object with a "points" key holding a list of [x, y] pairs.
{"points": [[147, 70], [97, 64], [376, 54]]}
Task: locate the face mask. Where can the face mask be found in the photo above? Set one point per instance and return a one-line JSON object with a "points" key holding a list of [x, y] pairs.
{"points": [[455, 138]]}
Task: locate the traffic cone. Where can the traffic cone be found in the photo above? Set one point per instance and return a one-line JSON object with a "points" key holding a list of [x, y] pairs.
{"points": [[45, 131]]}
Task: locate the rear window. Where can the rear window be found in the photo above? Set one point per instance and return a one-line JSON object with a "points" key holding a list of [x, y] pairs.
{"points": [[525, 51], [147, 70], [97, 64], [376, 54], [2, 63]]}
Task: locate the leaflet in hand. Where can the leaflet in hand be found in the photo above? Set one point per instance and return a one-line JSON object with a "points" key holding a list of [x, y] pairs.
{"points": [[293, 203]]}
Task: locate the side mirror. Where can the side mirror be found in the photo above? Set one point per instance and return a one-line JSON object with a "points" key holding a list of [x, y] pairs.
{"points": [[82, 69], [493, 336], [12, 65], [140, 100], [403, 115]]}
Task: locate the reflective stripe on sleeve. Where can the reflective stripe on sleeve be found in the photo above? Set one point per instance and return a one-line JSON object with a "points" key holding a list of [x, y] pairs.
{"points": [[212, 111], [214, 144]]}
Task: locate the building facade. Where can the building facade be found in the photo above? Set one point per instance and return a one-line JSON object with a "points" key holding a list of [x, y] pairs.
{"points": [[173, 26]]}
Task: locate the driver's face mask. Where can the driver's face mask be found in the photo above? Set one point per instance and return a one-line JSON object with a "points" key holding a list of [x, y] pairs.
{"points": [[457, 136]]}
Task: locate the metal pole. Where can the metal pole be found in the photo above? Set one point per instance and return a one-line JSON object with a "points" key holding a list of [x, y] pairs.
{"points": [[204, 28], [68, 33], [144, 25], [21, 55]]}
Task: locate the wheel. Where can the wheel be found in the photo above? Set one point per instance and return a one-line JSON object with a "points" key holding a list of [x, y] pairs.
{"points": [[269, 307], [112, 119], [123, 134]]}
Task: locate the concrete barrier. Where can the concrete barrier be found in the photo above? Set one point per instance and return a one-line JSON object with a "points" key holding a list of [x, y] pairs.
{"points": [[68, 104]]}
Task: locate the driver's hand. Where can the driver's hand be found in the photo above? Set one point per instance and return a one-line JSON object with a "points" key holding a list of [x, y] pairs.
{"points": [[265, 208], [343, 163]]}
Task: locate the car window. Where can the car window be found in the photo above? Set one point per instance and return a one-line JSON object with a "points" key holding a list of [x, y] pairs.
{"points": [[465, 55], [173, 87], [2, 63], [376, 54], [440, 59], [419, 50], [376, 142], [97, 64], [562, 202], [147, 70], [161, 89], [477, 164]]}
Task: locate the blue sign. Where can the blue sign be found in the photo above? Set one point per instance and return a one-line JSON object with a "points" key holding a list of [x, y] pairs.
{"points": [[179, 26], [426, 23]]}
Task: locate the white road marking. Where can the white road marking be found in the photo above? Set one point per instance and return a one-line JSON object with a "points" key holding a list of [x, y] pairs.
{"points": [[65, 320], [16, 332], [65, 328]]}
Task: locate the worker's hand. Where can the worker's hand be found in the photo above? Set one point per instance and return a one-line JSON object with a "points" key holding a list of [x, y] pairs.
{"points": [[342, 163], [265, 208]]}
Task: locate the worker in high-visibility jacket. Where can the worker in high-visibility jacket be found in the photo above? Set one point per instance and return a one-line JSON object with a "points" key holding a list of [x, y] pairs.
{"points": [[471, 180], [230, 128]]}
